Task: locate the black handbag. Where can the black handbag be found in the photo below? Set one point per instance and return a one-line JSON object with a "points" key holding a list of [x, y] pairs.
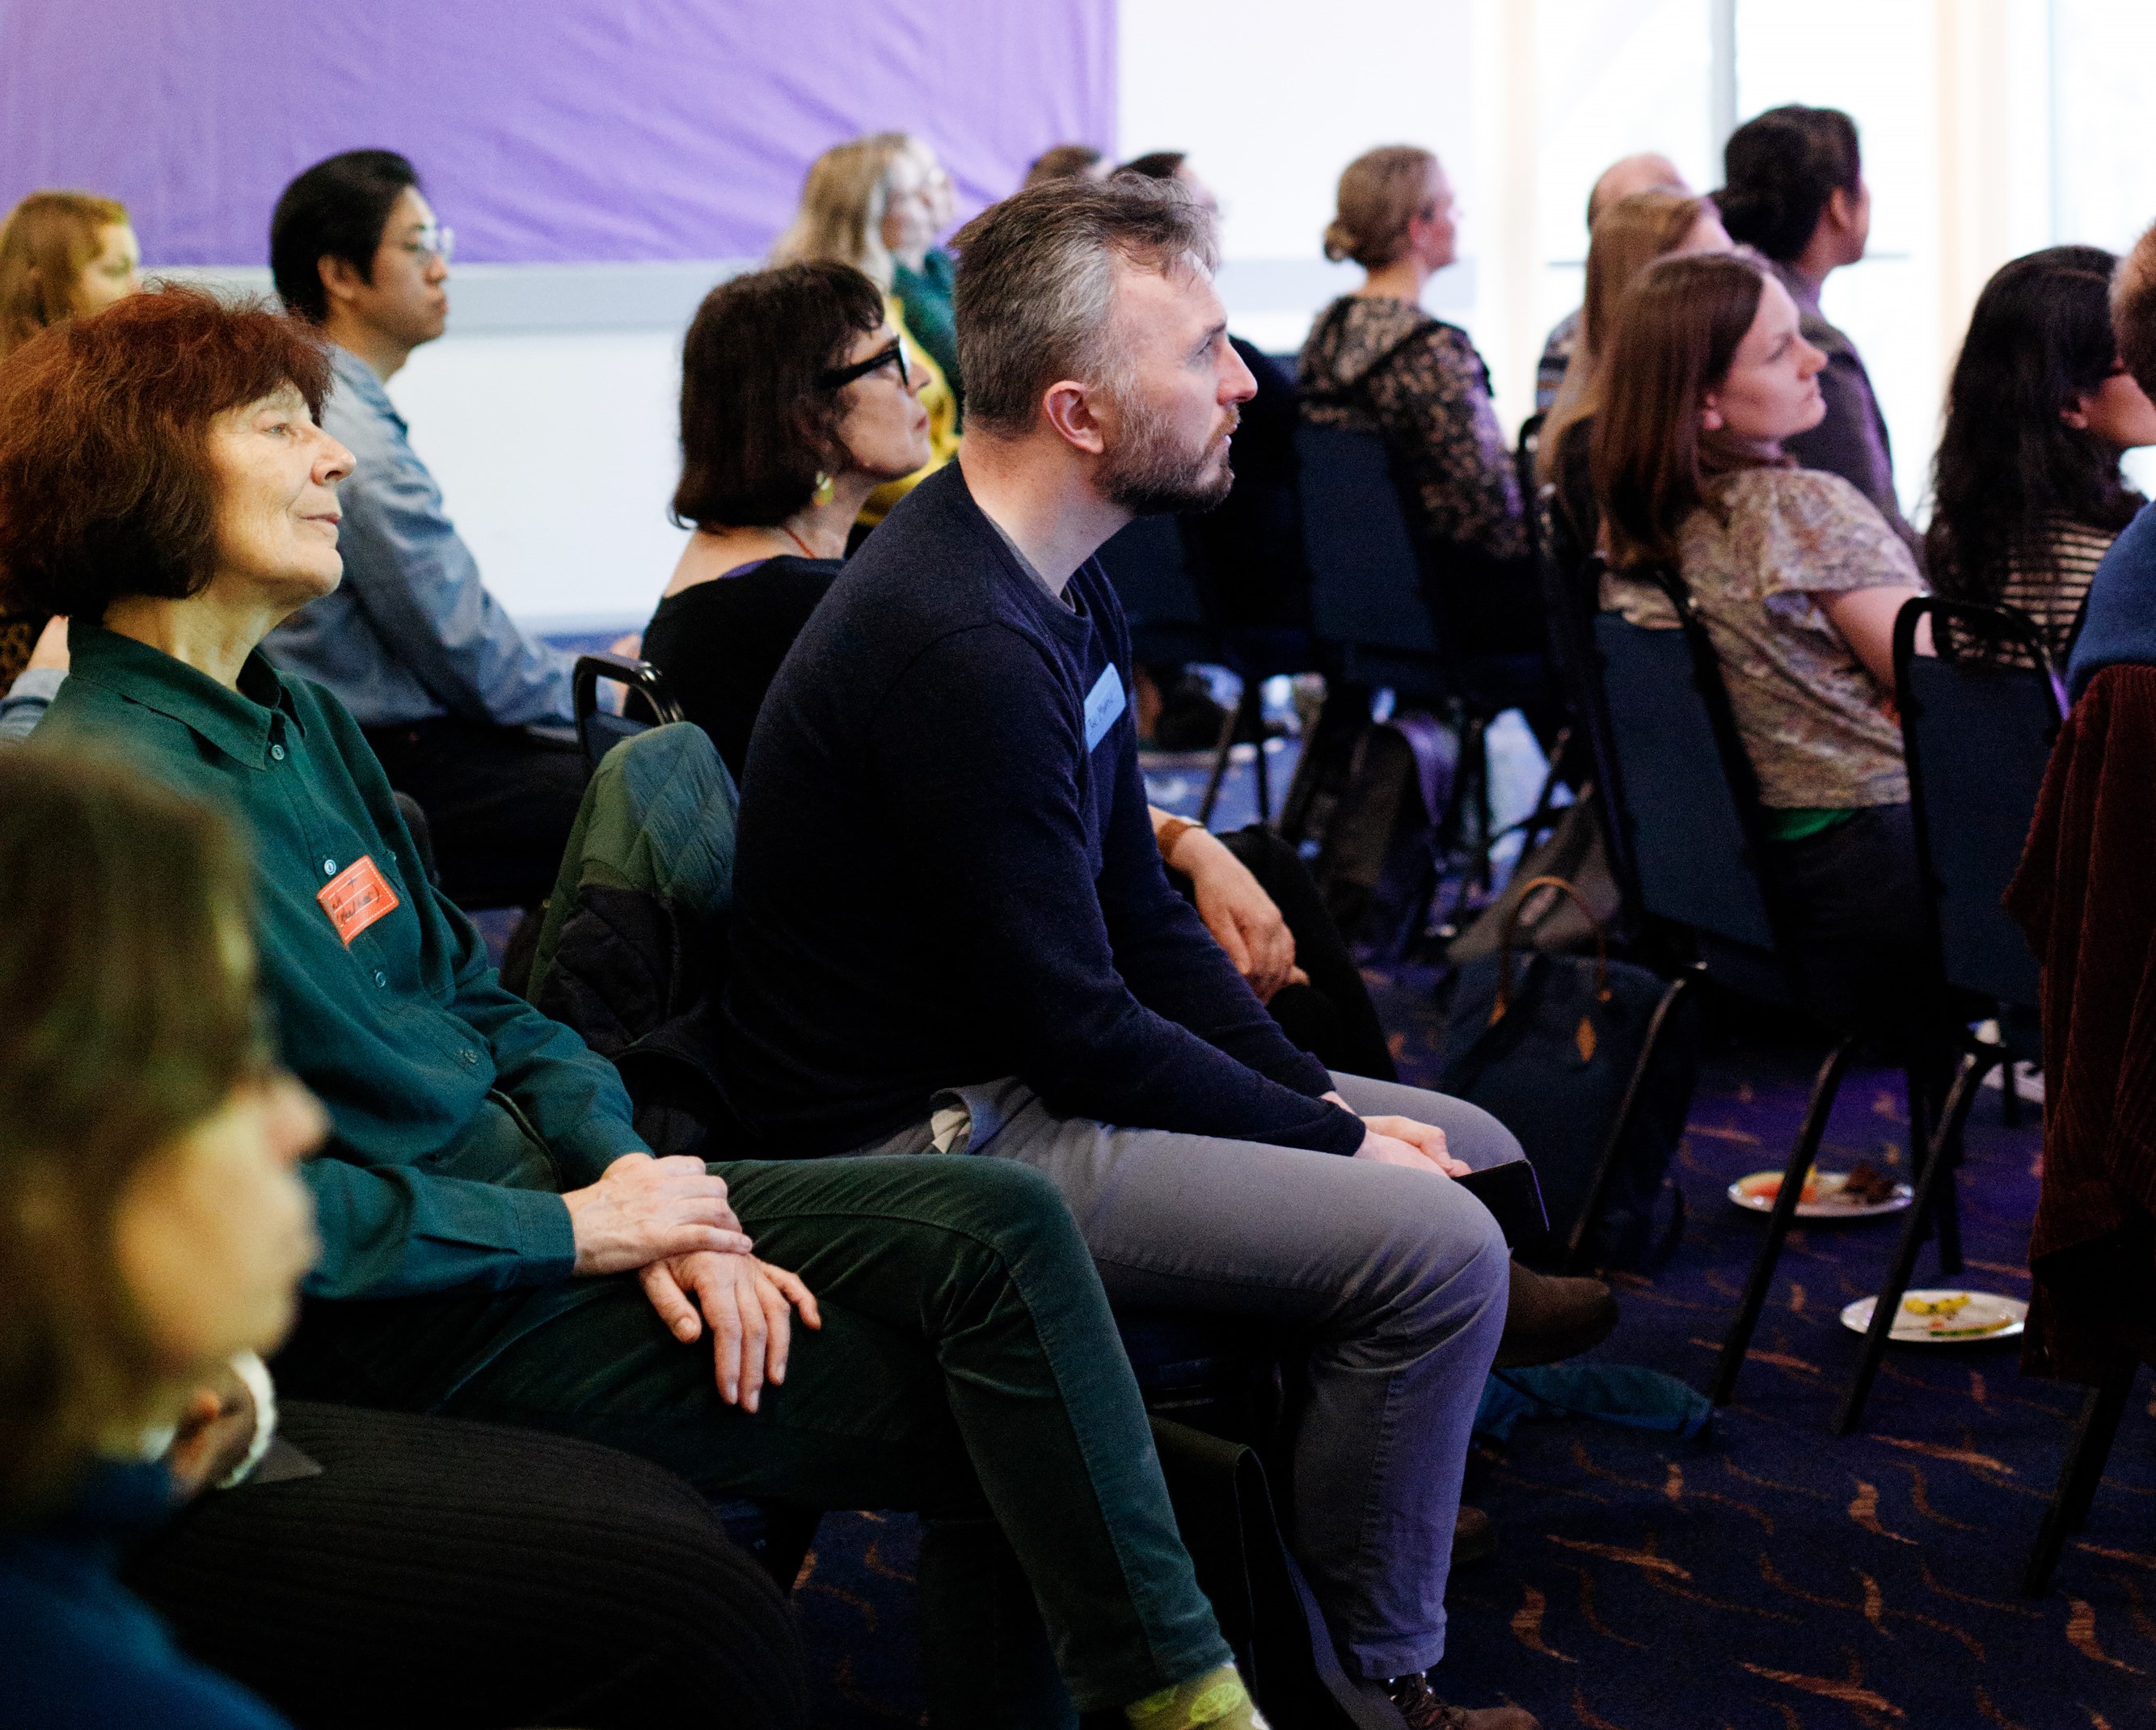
{"points": [[1592, 1065]]}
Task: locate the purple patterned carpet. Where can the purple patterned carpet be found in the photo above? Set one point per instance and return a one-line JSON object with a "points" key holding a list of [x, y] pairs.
{"points": [[1771, 1576]]}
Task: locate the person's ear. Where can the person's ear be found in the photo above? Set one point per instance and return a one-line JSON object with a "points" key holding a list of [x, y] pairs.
{"points": [[1071, 410], [2075, 414], [340, 277], [1710, 417], [1841, 207]]}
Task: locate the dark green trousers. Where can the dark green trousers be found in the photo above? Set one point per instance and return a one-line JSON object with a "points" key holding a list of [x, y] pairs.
{"points": [[967, 1367]]}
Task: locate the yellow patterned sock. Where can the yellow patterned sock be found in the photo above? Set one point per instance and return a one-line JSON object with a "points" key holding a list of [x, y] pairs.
{"points": [[1214, 1700]]}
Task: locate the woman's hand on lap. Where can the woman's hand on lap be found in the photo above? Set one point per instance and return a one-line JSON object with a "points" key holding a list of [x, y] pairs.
{"points": [[644, 1209], [748, 1305]]}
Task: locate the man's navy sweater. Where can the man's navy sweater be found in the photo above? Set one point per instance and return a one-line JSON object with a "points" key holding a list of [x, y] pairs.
{"points": [[939, 882]]}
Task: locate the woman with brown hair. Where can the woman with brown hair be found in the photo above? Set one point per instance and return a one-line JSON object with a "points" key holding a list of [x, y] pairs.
{"points": [[1798, 579], [1375, 359], [1629, 235], [62, 256], [799, 400], [860, 206], [153, 1226]]}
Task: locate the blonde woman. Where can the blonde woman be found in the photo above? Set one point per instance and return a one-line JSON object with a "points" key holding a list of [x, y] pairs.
{"points": [[62, 256], [1376, 359], [845, 218], [1629, 235]]}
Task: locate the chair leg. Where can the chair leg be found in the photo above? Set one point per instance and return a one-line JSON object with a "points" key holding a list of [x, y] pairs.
{"points": [[1933, 1190], [1824, 1087], [2078, 1477], [1228, 729], [1265, 773], [1949, 1213], [1327, 743]]}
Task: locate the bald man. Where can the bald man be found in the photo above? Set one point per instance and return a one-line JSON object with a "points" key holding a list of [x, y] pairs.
{"points": [[1646, 172]]}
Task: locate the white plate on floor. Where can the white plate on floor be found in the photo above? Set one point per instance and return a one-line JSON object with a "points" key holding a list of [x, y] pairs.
{"points": [[1756, 1192], [1944, 1317]]}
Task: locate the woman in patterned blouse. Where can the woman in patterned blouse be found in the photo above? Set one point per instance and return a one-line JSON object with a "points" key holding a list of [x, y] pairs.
{"points": [[1798, 579], [1375, 359], [2027, 494]]}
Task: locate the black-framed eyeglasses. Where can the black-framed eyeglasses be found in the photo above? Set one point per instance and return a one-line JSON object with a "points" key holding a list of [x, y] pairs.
{"points": [[894, 356]]}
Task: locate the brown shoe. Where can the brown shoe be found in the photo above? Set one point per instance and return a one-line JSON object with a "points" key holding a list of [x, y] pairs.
{"points": [[1423, 1711], [1547, 1319], [1474, 1537]]}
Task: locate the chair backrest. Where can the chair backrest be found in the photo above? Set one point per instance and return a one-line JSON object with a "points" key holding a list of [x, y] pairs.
{"points": [[1684, 796], [1368, 599], [1569, 607], [599, 730], [1150, 570], [1524, 454], [1977, 734]]}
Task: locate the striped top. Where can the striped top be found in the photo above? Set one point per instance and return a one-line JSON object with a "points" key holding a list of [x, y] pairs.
{"points": [[2053, 598]]}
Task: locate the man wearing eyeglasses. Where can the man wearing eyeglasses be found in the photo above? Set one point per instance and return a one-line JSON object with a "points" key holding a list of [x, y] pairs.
{"points": [[464, 709]]}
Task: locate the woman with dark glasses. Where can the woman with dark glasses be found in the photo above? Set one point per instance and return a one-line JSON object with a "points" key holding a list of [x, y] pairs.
{"points": [[797, 404]]}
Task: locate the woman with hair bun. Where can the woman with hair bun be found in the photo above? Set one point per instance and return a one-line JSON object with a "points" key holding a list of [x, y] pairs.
{"points": [[1376, 359], [1795, 194], [2027, 495]]}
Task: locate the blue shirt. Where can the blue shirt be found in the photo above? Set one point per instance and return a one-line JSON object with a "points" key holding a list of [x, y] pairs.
{"points": [[2118, 627], [411, 634], [78, 1649]]}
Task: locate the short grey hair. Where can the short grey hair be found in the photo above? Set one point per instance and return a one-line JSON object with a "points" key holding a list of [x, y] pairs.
{"points": [[1036, 285]]}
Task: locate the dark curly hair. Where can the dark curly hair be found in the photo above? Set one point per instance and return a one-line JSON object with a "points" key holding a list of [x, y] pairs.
{"points": [[1781, 168], [2007, 465], [106, 484], [758, 423]]}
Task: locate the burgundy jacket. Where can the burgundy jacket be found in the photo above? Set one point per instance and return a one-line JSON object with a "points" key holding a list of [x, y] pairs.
{"points": [[2085, 894]]}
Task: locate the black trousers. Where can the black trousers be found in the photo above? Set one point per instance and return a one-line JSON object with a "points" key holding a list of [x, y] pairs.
{"points": [[1855, 919], [441, 1573], [1333, 1017], [500, 803]]}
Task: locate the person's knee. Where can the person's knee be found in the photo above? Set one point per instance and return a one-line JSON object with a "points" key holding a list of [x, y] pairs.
{"points": [[1010, 1209], [1472, 1134]]}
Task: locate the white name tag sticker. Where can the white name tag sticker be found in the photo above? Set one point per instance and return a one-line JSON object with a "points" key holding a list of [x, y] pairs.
{"points": [[1104, 703]]}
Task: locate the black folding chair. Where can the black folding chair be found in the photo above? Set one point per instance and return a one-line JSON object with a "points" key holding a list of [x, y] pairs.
{"points": [[1370, 610], [1978, 719], [648, 703], [1148, 564], [1682, 793]]}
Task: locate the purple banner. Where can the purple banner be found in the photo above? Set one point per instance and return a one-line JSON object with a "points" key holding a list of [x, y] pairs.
{"points": [[563, 131]]}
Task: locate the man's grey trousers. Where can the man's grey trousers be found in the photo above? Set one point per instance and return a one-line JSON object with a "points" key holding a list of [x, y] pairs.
{"points": [[1391, 1282]]}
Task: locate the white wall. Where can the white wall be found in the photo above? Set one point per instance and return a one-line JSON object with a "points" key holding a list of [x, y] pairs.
{"points": [[1271, 106], [557, 453]]}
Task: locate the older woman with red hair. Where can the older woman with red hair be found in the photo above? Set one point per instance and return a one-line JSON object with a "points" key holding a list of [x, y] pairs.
{"points": [[498, 1241]]}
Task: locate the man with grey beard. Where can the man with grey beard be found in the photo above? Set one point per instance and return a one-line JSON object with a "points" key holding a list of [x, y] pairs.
{"points": [[952, 932]]}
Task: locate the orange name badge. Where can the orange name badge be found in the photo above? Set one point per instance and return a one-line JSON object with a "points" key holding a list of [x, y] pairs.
{"points": [[356, 897]]}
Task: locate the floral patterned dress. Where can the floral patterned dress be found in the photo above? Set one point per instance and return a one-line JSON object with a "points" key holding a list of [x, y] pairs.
{"points": [[1388, 366], [1758, 556]]}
